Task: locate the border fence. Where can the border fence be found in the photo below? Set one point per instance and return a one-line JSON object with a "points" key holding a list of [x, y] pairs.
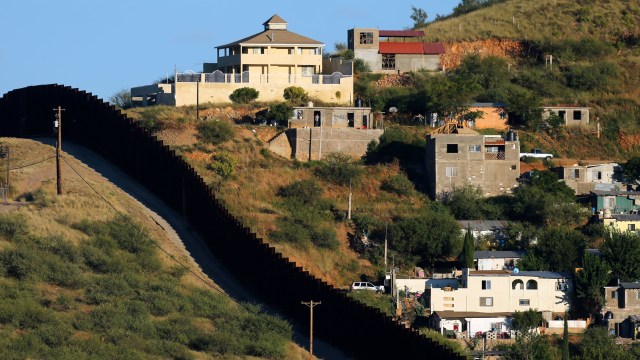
{"points": [[361, 331]]}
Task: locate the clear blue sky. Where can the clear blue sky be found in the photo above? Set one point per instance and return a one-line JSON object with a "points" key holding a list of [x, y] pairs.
{"points": [[105, 46]]}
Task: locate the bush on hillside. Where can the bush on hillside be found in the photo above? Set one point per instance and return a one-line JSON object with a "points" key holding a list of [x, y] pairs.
{"points": [[223, 164], [339, 169], [398, 184], [215, 132], [244, 95]]}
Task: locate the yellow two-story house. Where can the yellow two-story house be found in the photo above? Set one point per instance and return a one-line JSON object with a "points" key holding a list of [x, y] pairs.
{"points": [[268, 61]]}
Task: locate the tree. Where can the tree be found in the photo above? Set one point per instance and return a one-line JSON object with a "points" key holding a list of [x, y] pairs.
{"points": [[244, 95], [590, 282], [360, 66], [631, 170], [419, 17], [429, 236], [621, 250], [468, 249], [529, 344], [560, 247], [597, 344], [295, 95], [281, 112], [339, 169], [122, 99]]}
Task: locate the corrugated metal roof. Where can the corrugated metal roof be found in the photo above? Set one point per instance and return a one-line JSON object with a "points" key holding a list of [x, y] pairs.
{"points": [[411, 48], [401, 33], [483, 225], [633, 285], [498, 254], [626, 217]]}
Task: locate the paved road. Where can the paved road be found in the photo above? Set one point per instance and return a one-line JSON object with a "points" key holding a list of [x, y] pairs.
{"points": [[192, 241]]}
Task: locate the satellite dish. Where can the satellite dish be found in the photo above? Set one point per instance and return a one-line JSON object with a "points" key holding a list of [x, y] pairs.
{"points": [[393, 110], [516, 270]]}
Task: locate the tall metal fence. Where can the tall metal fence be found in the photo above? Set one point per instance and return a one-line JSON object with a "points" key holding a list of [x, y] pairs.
{"points": [[362, 331]]}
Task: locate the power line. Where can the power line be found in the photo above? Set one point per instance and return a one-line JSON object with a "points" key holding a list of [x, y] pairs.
{"points": [[128, 220], [35, 163]]}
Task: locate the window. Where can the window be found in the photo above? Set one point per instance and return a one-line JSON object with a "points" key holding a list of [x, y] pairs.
{"points": [[577, 115], [486, 284], [307, 70], [576, 174], [517, 284], [492, 149], [503, 114], [486, 301], [474, 148], [514, 167], [562, 114], [532, 285], [451, 171], [258, 50], [366, 38], [561, 286], [638, 295], [317, 51], [388, 61], [614, 294], [524, 302], [452, 148], [631, 227]]}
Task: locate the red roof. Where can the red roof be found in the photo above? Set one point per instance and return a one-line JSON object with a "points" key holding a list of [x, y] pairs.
{"points": [[401, 33], [411, 48]]}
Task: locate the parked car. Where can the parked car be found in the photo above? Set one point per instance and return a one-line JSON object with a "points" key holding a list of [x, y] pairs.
{"points": [[536, 153], [361, 285]]}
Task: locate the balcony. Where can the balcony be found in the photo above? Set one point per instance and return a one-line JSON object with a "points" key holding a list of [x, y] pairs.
{"points": [[494, 156]]}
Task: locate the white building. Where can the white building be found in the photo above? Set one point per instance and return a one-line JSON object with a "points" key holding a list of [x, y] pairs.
{"points": [[497, 260], [497, 294]]}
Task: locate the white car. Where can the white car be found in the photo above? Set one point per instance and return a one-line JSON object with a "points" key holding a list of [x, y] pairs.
{"points": [[361, 285]]}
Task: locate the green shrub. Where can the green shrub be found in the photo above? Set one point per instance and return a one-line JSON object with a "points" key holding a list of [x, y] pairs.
{"points": [[215, 132], [223, 164], [280, 112], [295, 95], [12, 225], [18, 263], [398, 184], [305, 191], [339, 169], [324, 237], [38, 197], [244, 95]]}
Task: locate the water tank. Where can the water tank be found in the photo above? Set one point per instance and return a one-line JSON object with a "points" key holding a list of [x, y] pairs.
{"points": [[358, 102], [512, 136], [310, 104], [607, 213]]}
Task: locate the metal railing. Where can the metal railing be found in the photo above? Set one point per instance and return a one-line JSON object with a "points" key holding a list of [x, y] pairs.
{"points": [[494, 156], [245, 77]]}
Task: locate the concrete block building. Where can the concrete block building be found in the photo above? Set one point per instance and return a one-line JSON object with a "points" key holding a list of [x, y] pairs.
{"points": [[394, 51], [268, 61], [573, 115], [585, 178], [463, 156], [622, 309]]}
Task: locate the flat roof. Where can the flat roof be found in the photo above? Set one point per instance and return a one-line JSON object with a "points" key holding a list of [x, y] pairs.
{"points": [[401, 33], [469, 314], [615, 193], [483, 225], [626, 217], [544, 274], [498, 254]]}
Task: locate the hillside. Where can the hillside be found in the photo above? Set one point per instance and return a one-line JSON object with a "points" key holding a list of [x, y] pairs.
{"points": [[542, 19], [80, 281]]}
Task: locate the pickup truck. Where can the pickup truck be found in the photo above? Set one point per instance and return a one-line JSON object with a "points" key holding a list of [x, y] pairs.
{"points": [[537, 153]]}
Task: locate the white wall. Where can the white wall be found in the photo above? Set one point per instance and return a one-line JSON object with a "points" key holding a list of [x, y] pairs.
{"points": [[420, 285], [484, 324]]}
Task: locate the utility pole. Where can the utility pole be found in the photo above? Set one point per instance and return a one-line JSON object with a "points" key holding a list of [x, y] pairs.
{"points": [[385, 245], [311, 304], [58, 126], [349, 211]]}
